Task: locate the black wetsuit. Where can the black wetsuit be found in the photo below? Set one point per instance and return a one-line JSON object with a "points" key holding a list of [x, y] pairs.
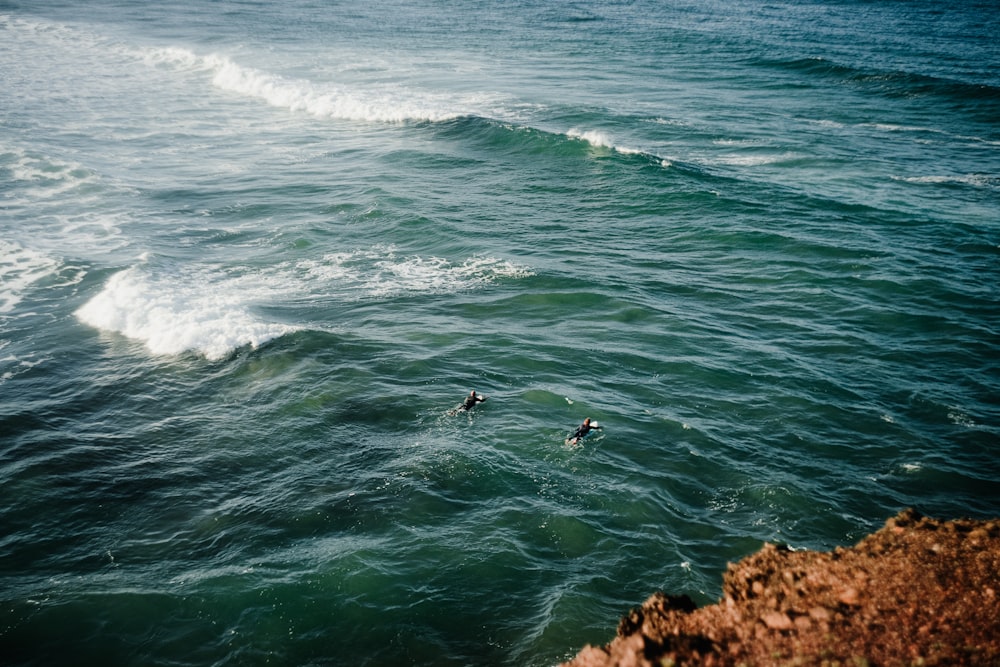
{"points": [[582, 431], [470, 402]]}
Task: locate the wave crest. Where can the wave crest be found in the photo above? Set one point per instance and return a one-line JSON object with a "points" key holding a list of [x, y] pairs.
{"points": [[201, 314], [386, 104]]}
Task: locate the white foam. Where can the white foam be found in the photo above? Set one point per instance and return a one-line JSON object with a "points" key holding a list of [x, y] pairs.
{"points": [[41, 187], [976, 180], [173, 56], [593, 137], [832, 124], [676, 122], [201, 312], [19, 269], [368, 101], [212, 313], [892, 127], [11, 366], [737, 142], [386, 103], [47, 177], [736, 160], [600, 139], [960, 418], [380, 272]]}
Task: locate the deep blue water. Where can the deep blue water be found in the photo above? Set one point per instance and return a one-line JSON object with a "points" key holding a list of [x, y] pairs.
{"points": [[253, 253]]}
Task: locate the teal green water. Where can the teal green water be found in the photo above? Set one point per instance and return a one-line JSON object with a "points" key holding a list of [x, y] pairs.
{"points": [[253, 253]]}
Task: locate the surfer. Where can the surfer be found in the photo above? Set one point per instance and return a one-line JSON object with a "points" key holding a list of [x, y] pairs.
{"points": [[470, 402], [586, 427]]}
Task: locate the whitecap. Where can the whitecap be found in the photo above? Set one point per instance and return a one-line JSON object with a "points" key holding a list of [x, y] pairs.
{"points": [[180, 312], [599, 139], [387, 103], [592, 137]]}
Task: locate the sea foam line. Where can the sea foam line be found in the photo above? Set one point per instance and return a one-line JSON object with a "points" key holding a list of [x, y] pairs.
{"points": [[379, 272], [976, 180], [46, 177], [387, 104]]}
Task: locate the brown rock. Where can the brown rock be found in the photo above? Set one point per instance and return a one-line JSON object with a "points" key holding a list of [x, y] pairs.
{"points": [[849, 596], [918, 591], [775, 620]]}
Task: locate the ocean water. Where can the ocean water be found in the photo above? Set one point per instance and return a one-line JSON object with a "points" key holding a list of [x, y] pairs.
{"points": [[252, 253]]}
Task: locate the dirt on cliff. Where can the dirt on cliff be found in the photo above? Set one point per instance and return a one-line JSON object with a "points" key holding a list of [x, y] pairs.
{"points": [[917, 592]]}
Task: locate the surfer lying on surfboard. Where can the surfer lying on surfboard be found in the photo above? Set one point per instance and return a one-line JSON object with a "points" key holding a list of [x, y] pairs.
{"points": [[470, 402], [586, 427]]}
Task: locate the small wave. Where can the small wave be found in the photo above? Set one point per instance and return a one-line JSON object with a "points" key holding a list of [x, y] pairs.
{"points": [[892, 83], [212, 313], [809, 65], [176, 313], [371, 103], [600, 140], [379, 272], [387, 104]]}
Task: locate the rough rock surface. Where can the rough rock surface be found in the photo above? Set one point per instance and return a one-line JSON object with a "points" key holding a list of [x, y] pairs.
{"points": [[917, 592]]}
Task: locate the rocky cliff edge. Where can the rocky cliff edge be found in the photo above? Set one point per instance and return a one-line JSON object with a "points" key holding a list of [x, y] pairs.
{"points": [[917, 592]]}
